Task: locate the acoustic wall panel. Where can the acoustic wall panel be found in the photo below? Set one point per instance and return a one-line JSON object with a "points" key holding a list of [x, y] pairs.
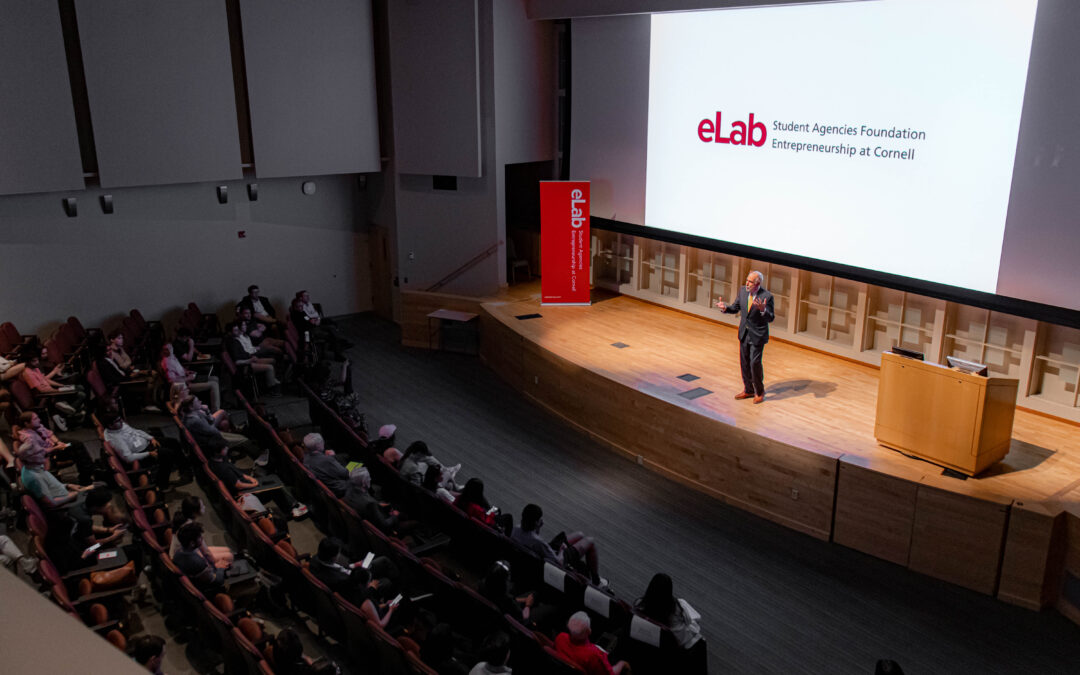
{"points": [[162, 102], [435, 86], [39, 143], [311, 86]]}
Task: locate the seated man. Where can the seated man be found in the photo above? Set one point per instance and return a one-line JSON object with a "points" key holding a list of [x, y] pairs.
{"points": [[528, 536], [207, 577], [135, 445], [43, 486], [329, 567], [32, 431], [261, 309], [325, 465], [176, 373], [149, 652], [243, 353], [358, 496], [575, 646], [83, 533], [310, 329], [184, 346], [73, 399], [205, 429], [240, 484], [267, 346]]}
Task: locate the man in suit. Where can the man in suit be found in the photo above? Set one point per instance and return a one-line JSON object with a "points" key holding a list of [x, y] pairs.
{"points": [[754, 305]]}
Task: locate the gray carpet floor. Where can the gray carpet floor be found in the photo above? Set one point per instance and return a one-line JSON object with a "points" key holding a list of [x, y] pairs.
{"points": [[772, 600]]}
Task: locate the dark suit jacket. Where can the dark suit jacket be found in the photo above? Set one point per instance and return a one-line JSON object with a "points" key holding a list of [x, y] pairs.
{"points": [[753, 325], [247, 304]]}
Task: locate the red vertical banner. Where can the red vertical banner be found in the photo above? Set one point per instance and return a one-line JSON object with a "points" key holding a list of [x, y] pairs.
{"points": [[564, 242]]}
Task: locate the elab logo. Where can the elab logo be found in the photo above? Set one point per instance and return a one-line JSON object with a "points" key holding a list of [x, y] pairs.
{"points": [[742, 133]]}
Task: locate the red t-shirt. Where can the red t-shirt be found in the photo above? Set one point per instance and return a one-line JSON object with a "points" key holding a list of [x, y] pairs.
{"points": [[477, 512], [588, 656]]}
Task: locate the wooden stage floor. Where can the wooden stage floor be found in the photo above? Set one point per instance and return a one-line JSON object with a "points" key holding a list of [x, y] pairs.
{"points": [[814, 401]]}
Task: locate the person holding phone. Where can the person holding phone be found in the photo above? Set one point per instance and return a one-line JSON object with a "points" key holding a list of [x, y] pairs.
{"points": [[562, 547]]}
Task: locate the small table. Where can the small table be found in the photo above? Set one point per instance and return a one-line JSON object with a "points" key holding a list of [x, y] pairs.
{"points": [[454, 317]]}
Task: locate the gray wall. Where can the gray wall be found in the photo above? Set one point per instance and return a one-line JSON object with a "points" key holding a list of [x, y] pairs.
{"points": [[442, 230], [434, 65], [160, 81], [166, 246], [311, 86], [39, 145]]}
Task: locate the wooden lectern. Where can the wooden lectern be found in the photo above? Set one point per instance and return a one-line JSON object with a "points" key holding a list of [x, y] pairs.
{"points": [[955, 419]]}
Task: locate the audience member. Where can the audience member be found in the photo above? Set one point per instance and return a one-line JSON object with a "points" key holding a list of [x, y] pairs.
{"points": [[191, 509], [190, 559], [39, 382], [261, 309], [576, 646], [418, 458], [135, 445], [495, 651], [184, 346], [32, 431], [74, 545], [9, 370], [384, 444], [266, 345], [887, 667], [204, 428], [289, 656], [115, 369], [472, 502], [176, 373], [43, 486], [325, 465], [432, 478], [241, 484], [524, 608], [149, 652], [10, 555], [364, 592], [358, 496], [243, 353], [311, 330], [660, 604], [528, 535]]}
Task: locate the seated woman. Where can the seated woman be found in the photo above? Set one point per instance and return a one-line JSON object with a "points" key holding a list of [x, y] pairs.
{"points": [[523, 607], [176, 373], [660, 604], [474, 504], [364, 594], [191, 509], [432, 477]]}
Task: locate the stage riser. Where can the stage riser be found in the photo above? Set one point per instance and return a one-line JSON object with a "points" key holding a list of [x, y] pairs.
{"points": [[1031, 569], [905, 513], [875, 513], [742, 468], [953, 537]]}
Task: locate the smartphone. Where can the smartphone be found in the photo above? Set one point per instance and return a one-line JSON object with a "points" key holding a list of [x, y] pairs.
{"points": [[363, 563]]}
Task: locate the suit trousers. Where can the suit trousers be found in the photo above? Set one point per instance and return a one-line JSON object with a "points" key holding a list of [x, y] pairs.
{"points": [[753, 374]]}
